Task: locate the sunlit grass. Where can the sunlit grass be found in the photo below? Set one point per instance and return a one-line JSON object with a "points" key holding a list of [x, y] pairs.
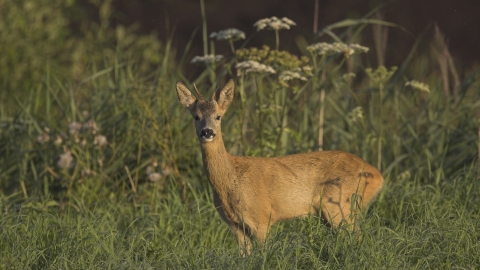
{"points": [[412, 225]]}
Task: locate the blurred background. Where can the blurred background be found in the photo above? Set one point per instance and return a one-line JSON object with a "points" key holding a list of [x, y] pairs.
{"points": [[458, 20]]}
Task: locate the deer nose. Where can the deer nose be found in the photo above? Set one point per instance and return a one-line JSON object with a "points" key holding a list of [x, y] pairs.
{"points": [[207, 133]]}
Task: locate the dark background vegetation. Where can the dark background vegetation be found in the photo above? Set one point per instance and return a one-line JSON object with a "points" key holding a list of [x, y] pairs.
{"points": [[459, 20]]}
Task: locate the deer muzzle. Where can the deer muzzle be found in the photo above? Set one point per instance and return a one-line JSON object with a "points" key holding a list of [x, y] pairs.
{"points": [[207, 135]]}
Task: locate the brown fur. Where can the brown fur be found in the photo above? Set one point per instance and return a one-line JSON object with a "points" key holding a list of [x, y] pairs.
{"points": [[252, 193]]}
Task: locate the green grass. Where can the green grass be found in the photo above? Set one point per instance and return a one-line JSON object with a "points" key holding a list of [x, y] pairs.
{"points": [[103, 211], [411, 225]]}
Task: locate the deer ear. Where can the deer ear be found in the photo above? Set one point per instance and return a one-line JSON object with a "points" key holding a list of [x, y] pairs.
{"points": [[185, 96], [225, 96]]}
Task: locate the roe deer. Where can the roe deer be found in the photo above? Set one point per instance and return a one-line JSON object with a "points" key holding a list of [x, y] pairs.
{"points": [[252, 193]]}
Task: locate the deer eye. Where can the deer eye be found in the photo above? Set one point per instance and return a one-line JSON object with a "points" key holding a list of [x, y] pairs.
{"points": [[196, 117], [218, 117]]}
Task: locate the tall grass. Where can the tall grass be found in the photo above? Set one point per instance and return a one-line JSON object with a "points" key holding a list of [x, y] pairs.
{"points": [[140, 199]]}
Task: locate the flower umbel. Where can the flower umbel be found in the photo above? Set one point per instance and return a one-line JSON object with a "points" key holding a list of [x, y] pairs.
{"points": [[356, 114], [207, 59], [380, 75], [74, 128], [323, 48], [66, 160], [100, 140], [297, 73], [246, 67], [418, 85], [228, 34], [274, 23]]}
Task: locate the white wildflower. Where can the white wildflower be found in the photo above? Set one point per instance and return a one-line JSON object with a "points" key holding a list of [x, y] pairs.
{"points": [[91, 125], [154, 177], [87, 172], [246, 67], [150, 169], [166, 170], [307, 70], [288, 75], [58, 141], [356, 114], [323, 48], [359, 48], [100, 162], [74, 128], [84, 142], [343, 48], [228, 34], [100, 140], [418, 85], [274, 23], [43, 138], [66, 160], [207, 59], [85, 114]]}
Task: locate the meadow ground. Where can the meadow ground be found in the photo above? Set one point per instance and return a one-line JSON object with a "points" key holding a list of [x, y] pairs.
{"points": [[411, 226]]}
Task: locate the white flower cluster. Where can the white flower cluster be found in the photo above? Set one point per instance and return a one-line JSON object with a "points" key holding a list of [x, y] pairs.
{"points": [[418, 85], [45, 137], [79, 133], [323, 48], [100, 140], [155, 176], [274, 23], [296, 73], [228, 34], [66, 160], [74, 128], [246, 67], [207, 59], [356, 114]]}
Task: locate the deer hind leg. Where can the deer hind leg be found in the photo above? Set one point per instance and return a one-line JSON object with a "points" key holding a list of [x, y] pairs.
{"points": [[341, 207], [243, 237], [338, 207], [260, 233]]}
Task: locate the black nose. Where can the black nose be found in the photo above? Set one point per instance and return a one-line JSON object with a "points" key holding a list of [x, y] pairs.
{"points": [[207, 133]]}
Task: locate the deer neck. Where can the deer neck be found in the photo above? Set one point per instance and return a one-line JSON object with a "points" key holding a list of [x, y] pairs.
{"points": [[218, 164]]}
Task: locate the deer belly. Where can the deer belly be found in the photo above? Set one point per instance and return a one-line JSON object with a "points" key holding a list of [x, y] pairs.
{"points": [[292, 205]]}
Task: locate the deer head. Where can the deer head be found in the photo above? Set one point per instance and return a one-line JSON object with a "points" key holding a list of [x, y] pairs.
{"points": [[207, 114]]}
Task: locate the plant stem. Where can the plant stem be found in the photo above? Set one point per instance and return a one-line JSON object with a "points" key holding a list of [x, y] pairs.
{"points": [[321, 119], [380, 129], [244, 114], [204, 28], [321, 116], [277, 39], [283, 118], [260, 121], [231, 46]]}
